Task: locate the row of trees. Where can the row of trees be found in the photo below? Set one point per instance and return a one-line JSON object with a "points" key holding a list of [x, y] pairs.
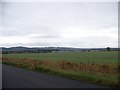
{"points": [[37, 51], [28, 51]]}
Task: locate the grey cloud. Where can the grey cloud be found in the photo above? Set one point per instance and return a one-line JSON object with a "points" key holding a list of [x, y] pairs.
{"points": [[45, 36], [46, 21]]}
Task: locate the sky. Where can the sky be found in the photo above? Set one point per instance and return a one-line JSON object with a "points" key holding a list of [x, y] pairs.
{"points": [[59, 24]]}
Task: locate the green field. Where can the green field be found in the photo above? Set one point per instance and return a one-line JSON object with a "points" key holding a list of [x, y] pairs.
{"points": [[93, 56]]}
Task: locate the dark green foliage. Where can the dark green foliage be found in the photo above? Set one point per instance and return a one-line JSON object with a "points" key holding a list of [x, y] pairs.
{"points": [[108, 49]]}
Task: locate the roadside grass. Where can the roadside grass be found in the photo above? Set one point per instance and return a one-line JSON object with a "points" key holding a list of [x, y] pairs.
{"points": [[99, 73]]}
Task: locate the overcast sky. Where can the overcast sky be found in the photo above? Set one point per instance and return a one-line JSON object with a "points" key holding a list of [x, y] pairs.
{"points": [[71, 24]]}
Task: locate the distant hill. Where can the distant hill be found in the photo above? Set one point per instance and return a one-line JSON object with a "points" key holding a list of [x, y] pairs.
{"points": [[48, 49]]}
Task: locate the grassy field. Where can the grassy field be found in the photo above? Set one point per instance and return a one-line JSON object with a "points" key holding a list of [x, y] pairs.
{"points": [[94, 67], [103, 56]]}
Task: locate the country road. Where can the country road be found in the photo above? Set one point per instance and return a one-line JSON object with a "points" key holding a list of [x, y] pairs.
{"points": [[13, 77]]}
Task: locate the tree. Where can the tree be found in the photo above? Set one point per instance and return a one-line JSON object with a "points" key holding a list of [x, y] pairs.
{"points": [[108, 49]]}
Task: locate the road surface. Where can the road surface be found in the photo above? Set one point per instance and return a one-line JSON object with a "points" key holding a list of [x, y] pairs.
{"points": [[13, 77]]}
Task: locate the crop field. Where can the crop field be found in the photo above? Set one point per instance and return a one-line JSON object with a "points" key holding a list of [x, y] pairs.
{"points": [[102, 56], [99, 67]]}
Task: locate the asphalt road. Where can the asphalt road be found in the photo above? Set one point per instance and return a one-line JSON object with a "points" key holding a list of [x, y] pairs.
{"points": [[0, 76], [13, 77]]}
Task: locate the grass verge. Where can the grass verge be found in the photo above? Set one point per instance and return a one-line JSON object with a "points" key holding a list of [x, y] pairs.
{"points": [[105, 80]]}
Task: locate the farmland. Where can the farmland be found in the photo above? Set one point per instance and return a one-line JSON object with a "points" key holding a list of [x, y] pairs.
{"points": [[99, 67], [103, 56]]}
